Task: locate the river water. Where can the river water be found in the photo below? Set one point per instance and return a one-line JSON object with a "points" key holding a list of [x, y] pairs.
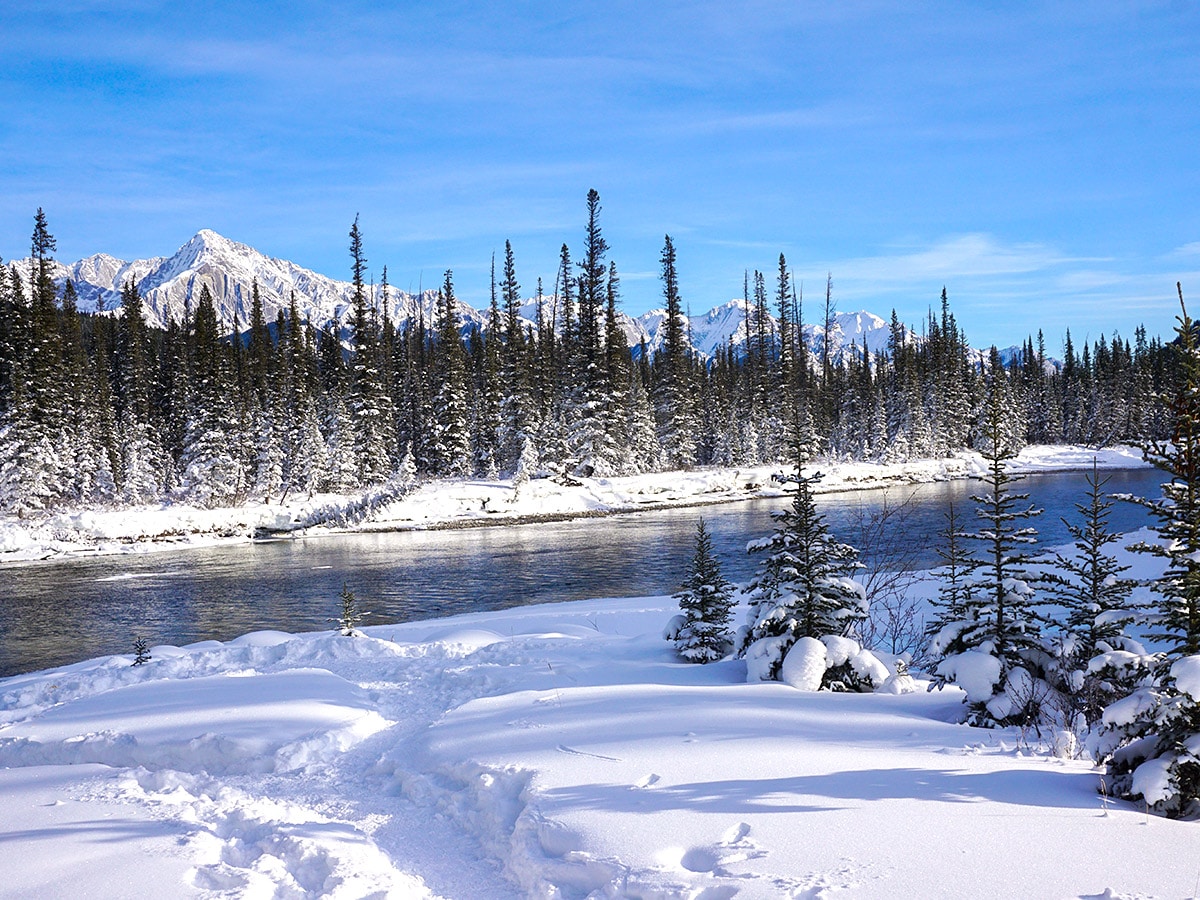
{"points": [[58, 612]]}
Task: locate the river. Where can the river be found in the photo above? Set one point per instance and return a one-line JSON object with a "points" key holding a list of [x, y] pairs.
{"points": [[63, 611]]}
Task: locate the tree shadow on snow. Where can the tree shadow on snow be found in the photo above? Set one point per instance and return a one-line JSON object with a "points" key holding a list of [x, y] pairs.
{"points": [[805, 793]]}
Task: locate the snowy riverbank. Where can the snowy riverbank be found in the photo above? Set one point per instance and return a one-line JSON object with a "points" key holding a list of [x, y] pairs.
{"points": [[548, 751], [476, 502]]}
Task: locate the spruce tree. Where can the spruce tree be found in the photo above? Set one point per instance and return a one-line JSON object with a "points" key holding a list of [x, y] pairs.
{"points": [[141, 474], [1089, 586], [805, 587], [369, 401], [673, 401], [993, 651], [213, 472], [954, 589], [485, 408], [706, 605], [517, 420], [1154, 753], [451, 447]]}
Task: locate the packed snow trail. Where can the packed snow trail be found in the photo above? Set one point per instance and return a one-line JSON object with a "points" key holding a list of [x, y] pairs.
{"points": [[266, 772]]}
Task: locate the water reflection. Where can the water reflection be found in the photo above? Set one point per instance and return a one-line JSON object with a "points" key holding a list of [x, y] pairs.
{"points": [[59, 612]]}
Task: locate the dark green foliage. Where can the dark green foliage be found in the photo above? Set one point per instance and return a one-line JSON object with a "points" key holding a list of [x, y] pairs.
{"points": [[1178, 511], [675, 404], [141, 651], [993, 615], [350, 616], [193, 411], [706, 603], [805, 587], [1089, 587], [1154, 755]]}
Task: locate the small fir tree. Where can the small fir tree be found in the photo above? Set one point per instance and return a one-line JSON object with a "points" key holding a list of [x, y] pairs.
{"points": [[1089, 587], [351, 616], [993, 649], [706, 605], [954, 591], [805, 588], [141, 651]]}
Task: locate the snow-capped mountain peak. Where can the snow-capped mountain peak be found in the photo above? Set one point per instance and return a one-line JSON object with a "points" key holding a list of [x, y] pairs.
{"points": [[170, 288]]}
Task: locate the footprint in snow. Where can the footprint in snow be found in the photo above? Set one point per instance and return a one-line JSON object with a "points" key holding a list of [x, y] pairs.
{"points": [[701, 859]]}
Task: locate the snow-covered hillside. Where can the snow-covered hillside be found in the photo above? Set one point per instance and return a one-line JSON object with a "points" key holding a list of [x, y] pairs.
{"points": [[546, 751]]}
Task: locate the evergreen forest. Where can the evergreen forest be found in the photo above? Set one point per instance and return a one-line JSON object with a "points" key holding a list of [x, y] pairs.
{"points": [[100, 408]]}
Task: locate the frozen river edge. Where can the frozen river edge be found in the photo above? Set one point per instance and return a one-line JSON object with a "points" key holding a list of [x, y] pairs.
{"points": [[469, 503]]}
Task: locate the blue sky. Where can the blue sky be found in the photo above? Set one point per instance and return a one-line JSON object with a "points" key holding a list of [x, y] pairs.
{"points": [[1039, 160]]}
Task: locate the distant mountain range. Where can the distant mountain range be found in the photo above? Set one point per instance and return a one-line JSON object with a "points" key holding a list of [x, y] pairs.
{"points": [[169, 286]]}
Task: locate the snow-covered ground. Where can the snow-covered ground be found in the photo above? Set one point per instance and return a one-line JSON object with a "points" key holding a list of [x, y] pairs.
{"points": [[547, 751], [544, 751], [469, 502]]}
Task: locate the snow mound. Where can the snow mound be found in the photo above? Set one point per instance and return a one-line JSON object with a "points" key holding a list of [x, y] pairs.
{"points": [[805, 664], [1186, 672], [220, 723], [975, 672]]}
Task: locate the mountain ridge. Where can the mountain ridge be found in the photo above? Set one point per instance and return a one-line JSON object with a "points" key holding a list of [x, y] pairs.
{"points": [[170, 286]]}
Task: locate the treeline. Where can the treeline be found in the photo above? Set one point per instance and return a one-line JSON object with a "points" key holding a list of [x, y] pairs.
{"points": [[102, 409]]}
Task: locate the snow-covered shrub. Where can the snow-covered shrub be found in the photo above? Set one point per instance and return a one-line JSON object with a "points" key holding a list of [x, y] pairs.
{"points": [[805, 665], [706, 601], [1155, 732], [899, 681], [1157, 742], [832, 662]]}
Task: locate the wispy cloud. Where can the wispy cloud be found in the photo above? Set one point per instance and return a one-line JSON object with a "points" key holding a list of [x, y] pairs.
{"points": [[962, 256], [1002, 290]]}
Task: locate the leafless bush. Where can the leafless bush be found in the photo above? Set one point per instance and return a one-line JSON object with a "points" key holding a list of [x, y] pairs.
{"points": [[894, 621]]}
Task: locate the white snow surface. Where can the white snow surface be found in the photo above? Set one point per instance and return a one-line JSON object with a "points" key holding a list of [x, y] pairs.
{"points": [[547, 751], [1186, 672], [171, 526], [805, 664]]}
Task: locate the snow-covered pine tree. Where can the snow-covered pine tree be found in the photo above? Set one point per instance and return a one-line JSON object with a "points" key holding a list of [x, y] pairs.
{"points": [[1089, 587], [516, 402], [370, 403], [1154, 751], [618, 398], [645, 453], [212, 470], [591, 440], [673, 395], [485, 408], [268, 456], [701, 632], [805, 588], [141, 467], [527, 466], [451, 445], [994, 651]]}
